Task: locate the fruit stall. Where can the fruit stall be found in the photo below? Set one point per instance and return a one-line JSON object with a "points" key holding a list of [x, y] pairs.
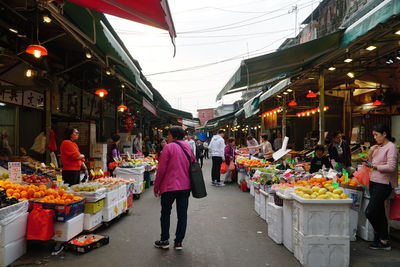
{"points": [[315, 216]]}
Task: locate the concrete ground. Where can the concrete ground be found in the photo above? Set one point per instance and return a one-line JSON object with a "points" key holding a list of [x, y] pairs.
{"points": [[223, 230]]}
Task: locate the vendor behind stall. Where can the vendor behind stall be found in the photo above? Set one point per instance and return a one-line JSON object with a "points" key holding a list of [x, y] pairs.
{"points": [[113, 153], [319, 161], [339, 152], [252, 145], [71, 157]]}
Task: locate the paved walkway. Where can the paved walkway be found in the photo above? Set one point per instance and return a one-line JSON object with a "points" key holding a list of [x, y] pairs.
{"points": [[223, 230]]}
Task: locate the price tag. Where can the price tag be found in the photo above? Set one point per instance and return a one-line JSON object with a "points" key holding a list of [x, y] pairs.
{"points": [[15, 172], [92, 172]]}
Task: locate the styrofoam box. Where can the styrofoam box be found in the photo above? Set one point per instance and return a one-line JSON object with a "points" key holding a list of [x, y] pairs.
{"points": [[321, 219], [252, 188], [288, 224], [152, 176], [241, 177], [318, 251], [257, 198], [67, 230], [138, 187], [353, 222], [111, 212], [14, 230], [275, 223], [123, 205], [12, 251], [112, 197], [90, 221], [122, 192], [263, 204]]}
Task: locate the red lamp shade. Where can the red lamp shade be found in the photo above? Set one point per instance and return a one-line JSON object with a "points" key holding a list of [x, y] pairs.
{"points": [[36, 50], [101, 92], [292, 103], [311, 94], [377, 103], [122, 108]]}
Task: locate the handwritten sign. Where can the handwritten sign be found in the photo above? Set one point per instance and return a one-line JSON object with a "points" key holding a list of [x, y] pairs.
{"points": [[15, 172]]}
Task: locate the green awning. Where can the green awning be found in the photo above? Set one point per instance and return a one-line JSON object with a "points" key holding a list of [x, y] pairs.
{"points": [[105, 42], [252, 106], [379, 14], [275, 89], [239, 113], [280, 64]]}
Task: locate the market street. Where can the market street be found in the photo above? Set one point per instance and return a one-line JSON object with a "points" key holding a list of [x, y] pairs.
{"points": [[223, 230]]}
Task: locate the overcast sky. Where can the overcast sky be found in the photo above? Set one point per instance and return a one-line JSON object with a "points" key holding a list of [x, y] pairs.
{"points": [[209, 32]]}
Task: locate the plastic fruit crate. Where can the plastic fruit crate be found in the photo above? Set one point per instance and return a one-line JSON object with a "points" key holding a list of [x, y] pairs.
{"points": [[64, 212], [94, 207]]}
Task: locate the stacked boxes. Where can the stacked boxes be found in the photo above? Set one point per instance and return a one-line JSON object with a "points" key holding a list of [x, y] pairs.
{"points": [[321, 232], [115, 203], [275, 225]]}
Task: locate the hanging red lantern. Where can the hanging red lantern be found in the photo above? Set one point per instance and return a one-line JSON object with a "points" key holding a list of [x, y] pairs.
{"points": [[36, 50], [311, 94], [101, 92], [128, 124], [122, 108], [292, 103], [377, 103]]}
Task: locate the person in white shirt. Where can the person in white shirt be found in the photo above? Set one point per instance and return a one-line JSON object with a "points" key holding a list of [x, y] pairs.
{"points": [[217, 148], [205, 144], [252, 145], [266, 148], [191, 143]]}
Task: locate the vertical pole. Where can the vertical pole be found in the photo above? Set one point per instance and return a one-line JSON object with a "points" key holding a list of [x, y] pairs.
{"points": [[284, 118], [47, 116], [321, 86]]}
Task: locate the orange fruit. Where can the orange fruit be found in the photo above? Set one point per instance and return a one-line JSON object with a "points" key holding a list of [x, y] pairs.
{"points": [[16, 195], [10, 191], [42, 187], [36, 195], [24, 194], [61, 192]]}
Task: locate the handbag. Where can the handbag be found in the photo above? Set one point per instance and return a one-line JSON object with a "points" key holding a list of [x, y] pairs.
{"points": [[196, 177]]}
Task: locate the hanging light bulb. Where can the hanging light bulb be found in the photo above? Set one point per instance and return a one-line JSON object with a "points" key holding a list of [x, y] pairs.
{"points": [[311, 94], [108, 72], [351, 75], [122, 108], [29, 73], [348, 60], [101, 92], [36, 50], [122, 85], [46, 19], [88, 54], [332, 68]]}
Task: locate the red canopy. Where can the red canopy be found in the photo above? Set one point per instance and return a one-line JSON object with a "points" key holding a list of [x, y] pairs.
{"points": [[155, 13]]}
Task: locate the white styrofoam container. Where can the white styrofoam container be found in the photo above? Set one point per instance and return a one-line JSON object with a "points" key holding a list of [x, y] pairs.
{"points": [[257, 198], [14, 230], [263, 206], [321, 219], [138, 187], [122, 193], [288, 224], [112, 197], [241, 176], [353, 222], [112, 211], [252, 188], [12, 251], [152, 176], [98, 150], [67, 230], [123, 205], [275, 223], [319, 251], [90, 221]]}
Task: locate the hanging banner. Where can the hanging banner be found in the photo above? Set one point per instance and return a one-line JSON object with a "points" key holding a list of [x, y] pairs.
{"points": [[149, 107], [11, 97], [33, 99]]}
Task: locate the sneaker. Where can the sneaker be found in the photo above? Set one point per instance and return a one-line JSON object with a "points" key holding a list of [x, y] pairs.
{"points": [[178, 246], [57, 249], [162, 244], [379, 245], [220, 184], [213, 183]]}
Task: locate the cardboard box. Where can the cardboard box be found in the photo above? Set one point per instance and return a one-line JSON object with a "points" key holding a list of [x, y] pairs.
{"points": [[69, 229], [12, 251], [14, 230], [90, 221]]}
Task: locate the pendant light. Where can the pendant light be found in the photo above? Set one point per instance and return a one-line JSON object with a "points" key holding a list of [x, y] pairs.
{"points": [[311, 94], [101, 92], [36, 50], [292, 103], [122, 107], [377, 103]]}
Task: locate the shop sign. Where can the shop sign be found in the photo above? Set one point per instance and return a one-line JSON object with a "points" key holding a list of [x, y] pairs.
{"points": [[11, 97], [149, 107], [33, 99], [15, 172]]}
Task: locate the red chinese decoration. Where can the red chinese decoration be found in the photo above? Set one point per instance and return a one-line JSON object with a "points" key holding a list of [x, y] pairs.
{"points": [[129, 124]]}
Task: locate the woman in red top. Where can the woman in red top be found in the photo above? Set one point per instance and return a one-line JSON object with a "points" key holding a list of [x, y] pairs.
{"points": [[71, 158]]}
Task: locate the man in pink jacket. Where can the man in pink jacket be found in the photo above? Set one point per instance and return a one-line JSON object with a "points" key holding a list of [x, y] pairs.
{"points": [[173, 183]]}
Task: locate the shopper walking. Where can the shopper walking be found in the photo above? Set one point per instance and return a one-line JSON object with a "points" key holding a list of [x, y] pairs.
{"points": [[383, 159], [113, 154], [217, 147], [71, 157], [199, 152], [191, 143], [229, 153], [173, 184], [205, 145], [339, 152]]}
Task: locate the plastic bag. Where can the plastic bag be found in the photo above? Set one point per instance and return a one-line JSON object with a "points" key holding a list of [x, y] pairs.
{"points": [[231, 166], [224, 168], [395, 208], [40, 224], [362, 175]]}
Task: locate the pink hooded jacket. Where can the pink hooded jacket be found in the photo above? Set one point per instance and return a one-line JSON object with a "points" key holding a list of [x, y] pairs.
{"points": [[173, 168]]}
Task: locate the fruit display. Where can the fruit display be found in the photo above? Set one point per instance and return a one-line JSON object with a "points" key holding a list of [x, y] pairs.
{"points": [[252, 162], [31, 192], [87, 187], [350, 182], [111, 183], [6, 201], [36, 179], [59, 197], [316, 192]]}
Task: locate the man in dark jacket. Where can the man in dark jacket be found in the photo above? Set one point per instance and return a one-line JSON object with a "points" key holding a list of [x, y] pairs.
{"points": [[339, 152]]}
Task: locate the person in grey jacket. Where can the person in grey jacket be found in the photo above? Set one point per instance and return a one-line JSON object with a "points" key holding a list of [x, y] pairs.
{"points": [[217, 148]]}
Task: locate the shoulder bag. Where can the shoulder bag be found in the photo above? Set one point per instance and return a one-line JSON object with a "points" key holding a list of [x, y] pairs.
{"points": [[196, 177]]}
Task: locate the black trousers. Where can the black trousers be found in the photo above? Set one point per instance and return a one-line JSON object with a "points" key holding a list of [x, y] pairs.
{"points": [[200, 160], [71, 177], [206, 153], [375, 211], [216, 167], [182, 203]]}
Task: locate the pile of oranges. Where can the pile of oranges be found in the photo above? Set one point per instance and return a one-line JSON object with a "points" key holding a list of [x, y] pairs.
{"points": [[351, 182], [321, 182], [31, 192], [252, 162]]}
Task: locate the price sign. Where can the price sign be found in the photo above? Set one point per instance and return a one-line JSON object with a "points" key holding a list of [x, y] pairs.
{"points": [[15, 172]]}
